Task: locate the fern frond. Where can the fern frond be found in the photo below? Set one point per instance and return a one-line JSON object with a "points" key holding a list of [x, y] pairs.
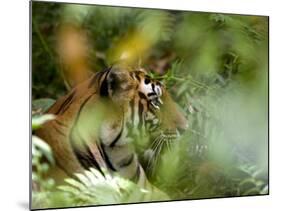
{"points": [[94, 187]]}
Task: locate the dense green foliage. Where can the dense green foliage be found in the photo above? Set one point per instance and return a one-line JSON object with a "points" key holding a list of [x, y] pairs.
{"points": [[214, 65]]}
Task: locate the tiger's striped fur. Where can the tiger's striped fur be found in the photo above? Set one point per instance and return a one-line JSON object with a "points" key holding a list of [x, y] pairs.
{"points": [[97, 121]]}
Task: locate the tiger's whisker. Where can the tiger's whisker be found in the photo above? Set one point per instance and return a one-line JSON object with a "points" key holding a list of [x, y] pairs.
{"points": [[154, 149], [168, 143], [157, 153], [154, 142], [152, 162], [159, 146]]}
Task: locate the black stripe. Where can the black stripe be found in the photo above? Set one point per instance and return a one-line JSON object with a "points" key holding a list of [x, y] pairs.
{"points": [[66, 107], [86, 159], [106, 158], [135, 178], [95, 78], [142, 96], [151, 109], [153, 87], [59, 131], [92, 159], [117, 138], [104, 86], [60, 123], [66, 103], [83, 153], [138, 78], [132, 75], [127, 161], [151, 94], [141, 110], [100, 150]]}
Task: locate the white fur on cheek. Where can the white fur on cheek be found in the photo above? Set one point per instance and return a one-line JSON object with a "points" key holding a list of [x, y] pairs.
{"points": [[145, 88]]}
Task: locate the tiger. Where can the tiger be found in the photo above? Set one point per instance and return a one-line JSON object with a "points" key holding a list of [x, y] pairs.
{"points": [[98, 120]]}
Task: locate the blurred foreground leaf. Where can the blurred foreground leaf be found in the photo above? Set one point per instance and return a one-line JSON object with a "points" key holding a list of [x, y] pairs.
{"points": [[95, 187], [39, 144], [38, 121]]}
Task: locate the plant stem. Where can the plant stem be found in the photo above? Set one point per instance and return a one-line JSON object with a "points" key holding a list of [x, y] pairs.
{"points": [[42, 40]]}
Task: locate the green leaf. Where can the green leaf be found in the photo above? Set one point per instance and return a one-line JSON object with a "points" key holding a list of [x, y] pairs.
{"points": [[75, 183], [42, 104], [69, 189], [38, 121], [43, 147]]}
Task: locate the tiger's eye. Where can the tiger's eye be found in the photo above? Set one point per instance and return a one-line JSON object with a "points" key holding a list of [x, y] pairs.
{"points": [[146, 80]]}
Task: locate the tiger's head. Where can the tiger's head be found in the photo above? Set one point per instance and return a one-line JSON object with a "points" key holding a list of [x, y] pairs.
{"points": [[150, 112]]}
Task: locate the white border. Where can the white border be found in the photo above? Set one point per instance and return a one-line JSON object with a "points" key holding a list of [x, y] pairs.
{"points": [[14, 135]]}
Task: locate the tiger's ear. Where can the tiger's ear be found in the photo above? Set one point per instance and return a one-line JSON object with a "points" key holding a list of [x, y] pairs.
{"points": [[118, 85]]}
